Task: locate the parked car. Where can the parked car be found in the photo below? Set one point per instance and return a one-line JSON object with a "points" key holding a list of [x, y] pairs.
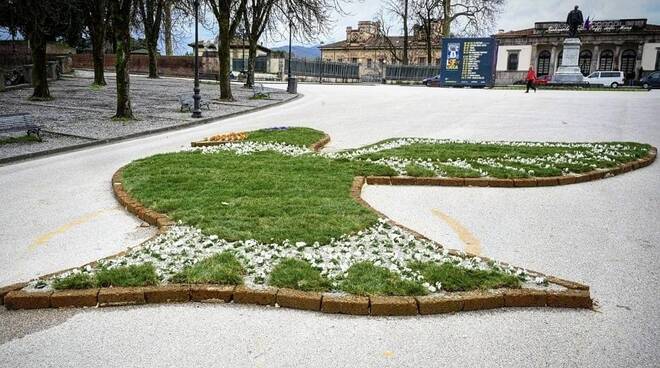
{"points": [[432, 81], [543, 81], [612, 79], [651, 81]]}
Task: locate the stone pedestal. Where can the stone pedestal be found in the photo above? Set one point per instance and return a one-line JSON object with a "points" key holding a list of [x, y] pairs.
{"points": [[569, 70]]}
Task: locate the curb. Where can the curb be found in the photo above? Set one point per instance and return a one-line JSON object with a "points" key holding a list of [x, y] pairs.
{"points": [[575, 296], [516, 182], [294, 299], [139, 134]]}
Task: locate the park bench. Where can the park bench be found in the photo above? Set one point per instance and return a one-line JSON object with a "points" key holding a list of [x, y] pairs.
{"points": [[259, 90], [187, 103], [18, 123]]}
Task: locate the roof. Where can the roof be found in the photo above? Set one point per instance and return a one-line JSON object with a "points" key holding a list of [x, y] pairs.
{"points": [[620, 26]]}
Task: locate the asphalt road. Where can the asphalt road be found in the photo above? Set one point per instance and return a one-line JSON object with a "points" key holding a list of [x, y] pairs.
{"points": [[59, 212]]}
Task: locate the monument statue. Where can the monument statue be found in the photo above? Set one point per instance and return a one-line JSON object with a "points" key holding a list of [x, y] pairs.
{"points": [[574, 20]]}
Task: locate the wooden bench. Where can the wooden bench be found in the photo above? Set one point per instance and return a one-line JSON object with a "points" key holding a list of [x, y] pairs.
{"points": [[187, 103], [18, 123]]}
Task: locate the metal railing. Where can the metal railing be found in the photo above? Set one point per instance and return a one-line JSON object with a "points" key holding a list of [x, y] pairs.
{"points": [[410, 72], [324, 69]]}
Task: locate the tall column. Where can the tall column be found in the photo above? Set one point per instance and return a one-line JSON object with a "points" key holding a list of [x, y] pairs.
{"points": [[553, 59], [595, 57], [616, 63], [534, 56], [638, 60]]}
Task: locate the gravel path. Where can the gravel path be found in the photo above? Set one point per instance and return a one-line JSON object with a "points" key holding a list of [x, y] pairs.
{"points": [[603, 233], [84, 112]]}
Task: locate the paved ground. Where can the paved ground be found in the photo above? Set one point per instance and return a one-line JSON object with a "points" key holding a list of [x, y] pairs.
{"points": [[80, 114], [59, 213]]}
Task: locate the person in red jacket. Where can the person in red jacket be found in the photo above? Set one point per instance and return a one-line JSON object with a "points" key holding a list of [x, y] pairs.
{"points": [[531, 78]]}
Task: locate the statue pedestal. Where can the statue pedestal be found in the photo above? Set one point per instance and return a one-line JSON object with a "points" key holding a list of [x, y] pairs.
{"points": [[569, 70]]}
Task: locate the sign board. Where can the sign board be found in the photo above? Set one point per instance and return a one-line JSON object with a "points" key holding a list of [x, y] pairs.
{"points": [[467, 62]]}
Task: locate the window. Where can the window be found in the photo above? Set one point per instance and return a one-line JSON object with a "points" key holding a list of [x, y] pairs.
{"points": [[381, 61], [585, 62], [421, 61], [606, 60], [610, 74], [628, 63], [354, 60], [543, 63], [512, 61], [340, 60], [369, 63], [560, 57]]}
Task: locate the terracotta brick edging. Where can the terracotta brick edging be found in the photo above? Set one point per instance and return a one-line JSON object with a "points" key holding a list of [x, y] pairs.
{"points": [[516, 182], [575, 295]]}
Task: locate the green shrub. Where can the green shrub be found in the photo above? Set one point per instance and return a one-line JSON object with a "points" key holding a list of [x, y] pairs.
{"points": [[75, 281]]}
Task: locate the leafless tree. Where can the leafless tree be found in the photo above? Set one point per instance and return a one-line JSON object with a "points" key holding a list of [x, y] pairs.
{"points": [[257, 19], [400, 9], [426, 12], [229, 14], [384, 39], [96, 14], [121, 22], [476, 16], [150, 15]]}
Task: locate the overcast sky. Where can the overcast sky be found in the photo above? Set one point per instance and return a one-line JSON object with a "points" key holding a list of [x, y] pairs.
{"points": [[517, 14]]}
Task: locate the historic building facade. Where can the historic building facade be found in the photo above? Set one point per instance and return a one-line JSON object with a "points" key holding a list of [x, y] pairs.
{"points": [[628, 45], [368, 47]]}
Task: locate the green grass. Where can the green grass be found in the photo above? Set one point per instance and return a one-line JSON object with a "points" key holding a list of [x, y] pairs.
{"points": [[260, 96], [298, 274], [264, 196], [222, 268], [75, 281], [470, 152], [419, 171], [133, 275], [367, 279], [20, 139], [295, 136], [455, 278]]}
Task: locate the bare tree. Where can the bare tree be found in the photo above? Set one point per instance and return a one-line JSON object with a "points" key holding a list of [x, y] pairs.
{"points": [[384, 39], [40, 21], [228, 14], [150, 15], [476, 16], [257, 19], [121, 22], [426, 13], [167, 27], [96, 14], [400, 9]]}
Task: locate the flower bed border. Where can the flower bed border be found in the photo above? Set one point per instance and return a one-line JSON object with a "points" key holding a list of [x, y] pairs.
{"points": [[316, 146], [576, 295]]}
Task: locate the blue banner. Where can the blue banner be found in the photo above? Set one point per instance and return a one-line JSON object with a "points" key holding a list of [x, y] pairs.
{"points": [[467, 62]]}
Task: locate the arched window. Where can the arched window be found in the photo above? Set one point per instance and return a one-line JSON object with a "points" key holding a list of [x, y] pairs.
{"points": [[543, 63], [606, 60], [585, 62], [512, 62], [628, 63], [560, 57]]}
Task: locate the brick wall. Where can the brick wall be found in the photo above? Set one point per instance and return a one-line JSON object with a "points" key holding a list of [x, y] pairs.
{"points": [[174, 66]]}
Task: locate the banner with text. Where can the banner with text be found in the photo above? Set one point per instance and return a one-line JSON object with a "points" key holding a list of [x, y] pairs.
{"points": [[467, 62]]}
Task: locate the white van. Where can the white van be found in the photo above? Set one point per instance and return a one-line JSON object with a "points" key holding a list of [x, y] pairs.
{"points": [[608, 79]]}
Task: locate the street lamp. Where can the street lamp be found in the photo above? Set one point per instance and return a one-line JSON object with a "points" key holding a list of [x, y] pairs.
{"points": [[291, 82], [197, 112]]}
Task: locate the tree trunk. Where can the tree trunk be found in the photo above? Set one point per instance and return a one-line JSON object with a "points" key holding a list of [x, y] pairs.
{"points": [[252, 62], [223, 58], [121, 23], [446, 19], [153, 59], [98, 55], [39, 67], [405, 33], [167, 28]]}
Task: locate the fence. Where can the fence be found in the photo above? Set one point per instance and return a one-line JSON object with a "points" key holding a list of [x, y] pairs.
{"points": [[324, 69], [410, 72]]}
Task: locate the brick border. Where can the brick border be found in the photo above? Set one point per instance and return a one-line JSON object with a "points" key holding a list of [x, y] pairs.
{"points": [[575, 295], [517, 182]]}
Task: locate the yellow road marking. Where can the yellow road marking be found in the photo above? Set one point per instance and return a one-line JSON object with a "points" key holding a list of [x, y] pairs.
{"points": [[45, 237], [472, 244]]}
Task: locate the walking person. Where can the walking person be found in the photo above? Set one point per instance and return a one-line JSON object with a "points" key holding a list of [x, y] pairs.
{"points": [[531, 78]]}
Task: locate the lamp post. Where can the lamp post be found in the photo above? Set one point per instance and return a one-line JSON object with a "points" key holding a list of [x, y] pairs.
{"points": [[291, 82], [197, 112]]}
